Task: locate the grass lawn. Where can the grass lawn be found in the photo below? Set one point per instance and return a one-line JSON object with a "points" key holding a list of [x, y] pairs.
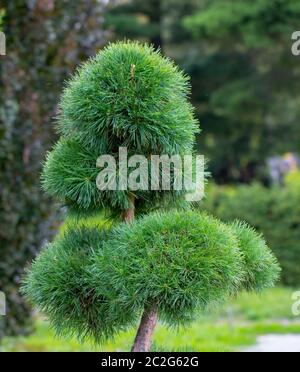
{"points": [[231, 329]]}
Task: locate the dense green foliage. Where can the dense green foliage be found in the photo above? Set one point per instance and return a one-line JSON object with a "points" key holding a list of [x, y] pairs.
{"points": [[274, 212], [181, 261], [43, 47], [184, 262], [94, 283], [247, 16], [243, 74], [260, 265], [243, 77], [127, 96]]}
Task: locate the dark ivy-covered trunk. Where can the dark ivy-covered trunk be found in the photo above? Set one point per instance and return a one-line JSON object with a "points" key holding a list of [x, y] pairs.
{"points": [[46, 39]]}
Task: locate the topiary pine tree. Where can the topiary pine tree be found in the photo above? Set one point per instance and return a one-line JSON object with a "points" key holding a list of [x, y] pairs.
{"points": [[94, 282]]}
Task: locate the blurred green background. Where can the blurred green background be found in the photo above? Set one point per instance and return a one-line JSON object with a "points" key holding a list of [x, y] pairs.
{"points": [[245, 83]]}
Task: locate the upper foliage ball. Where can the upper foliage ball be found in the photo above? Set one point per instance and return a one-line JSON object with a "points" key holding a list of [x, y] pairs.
{"points": [[129, 95], [181, 261], [70, 174]]}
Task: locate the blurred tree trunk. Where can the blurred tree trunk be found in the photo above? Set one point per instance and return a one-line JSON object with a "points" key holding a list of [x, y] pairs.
{"points": [[156, 17], [137, 19], [46, 39]]}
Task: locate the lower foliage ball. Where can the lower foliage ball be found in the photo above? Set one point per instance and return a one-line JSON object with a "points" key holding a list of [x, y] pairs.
{"points": [[94, 283], [59, 285], [180, 261]]}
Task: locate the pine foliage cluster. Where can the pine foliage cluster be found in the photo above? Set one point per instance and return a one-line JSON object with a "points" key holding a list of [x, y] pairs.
{"points": [[127, 96], [94, 283]]}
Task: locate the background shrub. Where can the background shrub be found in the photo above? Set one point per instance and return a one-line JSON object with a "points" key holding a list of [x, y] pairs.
{"points": [[274, 212]]}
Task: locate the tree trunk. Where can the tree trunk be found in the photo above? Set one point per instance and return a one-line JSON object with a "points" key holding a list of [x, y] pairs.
{"points": [[143, 338], [145, 332], [129, 215]]}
